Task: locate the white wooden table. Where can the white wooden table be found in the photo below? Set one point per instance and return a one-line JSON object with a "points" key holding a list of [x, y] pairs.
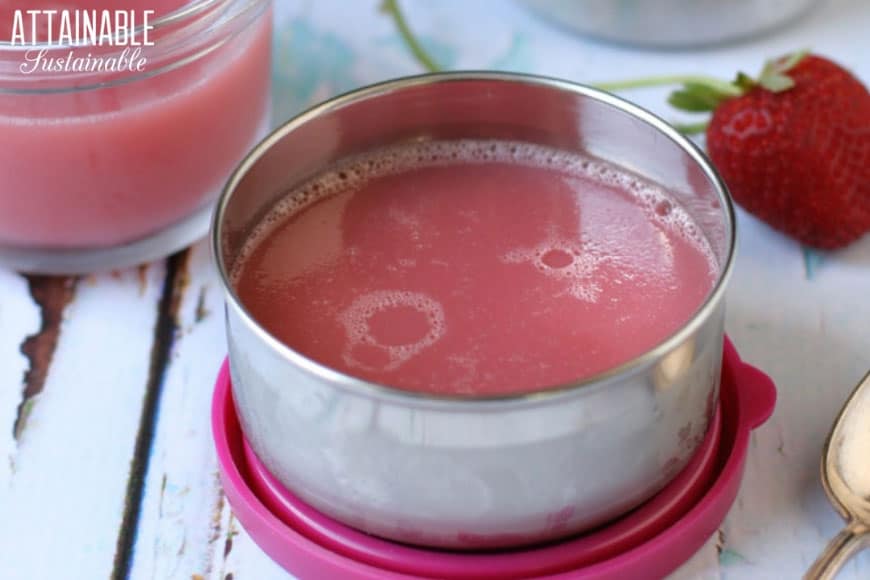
{"points": [[106, 462]]}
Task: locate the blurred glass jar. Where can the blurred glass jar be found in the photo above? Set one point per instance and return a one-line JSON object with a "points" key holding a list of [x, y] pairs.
{"points": [[110, 168], [671, 23]]}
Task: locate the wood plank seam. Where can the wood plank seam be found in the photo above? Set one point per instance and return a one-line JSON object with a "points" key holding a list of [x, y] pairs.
{"points": [[164, 336]]}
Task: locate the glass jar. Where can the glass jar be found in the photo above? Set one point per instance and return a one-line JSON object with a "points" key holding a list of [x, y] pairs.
{"points": [[109, 168]]}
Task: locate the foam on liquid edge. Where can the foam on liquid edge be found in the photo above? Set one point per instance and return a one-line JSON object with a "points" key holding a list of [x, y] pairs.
{"points": [[352, 172]]}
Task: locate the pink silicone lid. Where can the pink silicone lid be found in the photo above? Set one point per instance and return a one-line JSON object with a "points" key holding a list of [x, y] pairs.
{"points": [[629, 531], [647, 542]]}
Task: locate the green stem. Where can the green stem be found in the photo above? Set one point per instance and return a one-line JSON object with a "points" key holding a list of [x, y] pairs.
{"points": [[690, 129], [392, 8], [718, 84]]}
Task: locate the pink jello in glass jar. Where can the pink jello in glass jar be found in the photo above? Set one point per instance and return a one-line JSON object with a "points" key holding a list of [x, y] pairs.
{"points": [[119, 124]]}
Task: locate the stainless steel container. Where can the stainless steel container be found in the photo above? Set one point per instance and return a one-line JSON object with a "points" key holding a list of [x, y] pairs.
{"points": [[671, 23], [475, 472]]}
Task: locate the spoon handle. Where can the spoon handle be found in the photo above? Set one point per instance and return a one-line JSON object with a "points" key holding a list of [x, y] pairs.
{"points": [[842, 547]]}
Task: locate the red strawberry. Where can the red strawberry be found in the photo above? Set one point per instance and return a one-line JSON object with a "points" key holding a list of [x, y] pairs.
{"points": [[793, 147]]}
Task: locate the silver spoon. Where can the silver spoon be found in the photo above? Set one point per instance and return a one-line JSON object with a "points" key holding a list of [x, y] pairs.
{"points": [[846, 479]]}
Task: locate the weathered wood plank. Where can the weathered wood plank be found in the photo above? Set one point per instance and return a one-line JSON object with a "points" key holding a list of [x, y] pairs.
{"points": [[180, 527], [811, 337], [165, 329], [186, 528], [63, 501], [246, 561], [20, 317], [702, 566], [51, 295]]}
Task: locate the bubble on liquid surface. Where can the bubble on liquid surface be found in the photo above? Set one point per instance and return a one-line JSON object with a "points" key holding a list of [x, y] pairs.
{"points": [[559, 259], [387, 328]]}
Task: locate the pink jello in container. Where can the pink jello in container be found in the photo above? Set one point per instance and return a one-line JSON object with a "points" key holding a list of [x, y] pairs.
{"points": [[119, 123]]}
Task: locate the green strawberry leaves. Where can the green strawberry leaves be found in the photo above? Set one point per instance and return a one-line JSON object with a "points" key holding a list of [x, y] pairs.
{"points": [[744, 82], [776, 83], [701, 96], [697, 98], [774, 75]]}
